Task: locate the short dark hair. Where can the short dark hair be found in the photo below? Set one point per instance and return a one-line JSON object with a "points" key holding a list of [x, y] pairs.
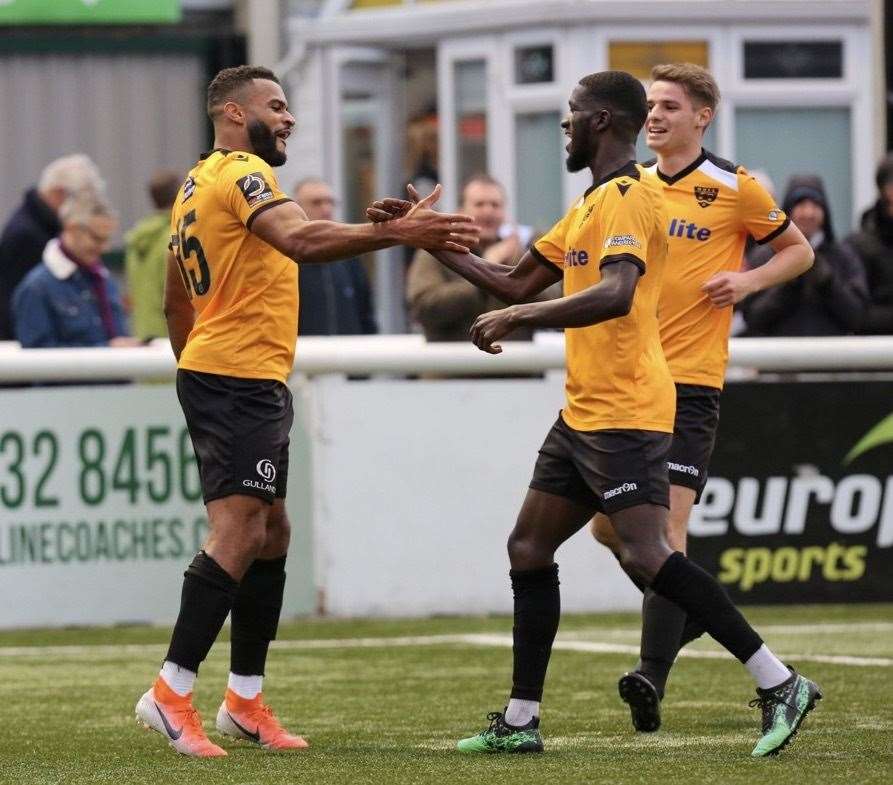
{"points": [[625, 96], [229, 81], [163, 187]]}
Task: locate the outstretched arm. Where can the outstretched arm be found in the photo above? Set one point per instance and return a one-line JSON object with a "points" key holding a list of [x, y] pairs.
{"points": [[516, 284], [610, 298], [510, 283], [285, 226]]}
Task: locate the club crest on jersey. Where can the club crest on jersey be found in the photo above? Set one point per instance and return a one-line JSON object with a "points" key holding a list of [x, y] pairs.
{"points": [[188, 188], [254, 188], [705, 195]]}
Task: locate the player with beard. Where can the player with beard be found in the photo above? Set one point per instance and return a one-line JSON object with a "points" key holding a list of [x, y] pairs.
{"points": [[713, 206], [607, 451], [231, 302]]}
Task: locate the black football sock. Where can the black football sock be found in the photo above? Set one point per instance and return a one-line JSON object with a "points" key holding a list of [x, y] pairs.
{"points": [[206, 599], [692, 630], [537, 611], [698, 592], [662, 625], [255, 615]]}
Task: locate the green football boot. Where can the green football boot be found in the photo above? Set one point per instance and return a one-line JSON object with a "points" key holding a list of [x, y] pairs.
{"points": [[502, 737], [784, 708]]}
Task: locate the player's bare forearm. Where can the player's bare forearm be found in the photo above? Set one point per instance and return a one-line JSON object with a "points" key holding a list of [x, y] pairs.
{"points": [[286, 228], [178, 311], [788, 263], [793, 257], [510, 284], [316, 242], [610, 298]]}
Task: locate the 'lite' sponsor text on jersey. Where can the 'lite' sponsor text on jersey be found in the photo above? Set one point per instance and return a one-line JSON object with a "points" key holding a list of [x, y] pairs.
{"points": [[712, 206], [616, 373]]}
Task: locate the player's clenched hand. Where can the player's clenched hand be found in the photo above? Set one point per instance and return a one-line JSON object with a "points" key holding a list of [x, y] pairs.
{"points": [[726, 289], [382, 210], [423, 227], [492, 326], [388, 209]]}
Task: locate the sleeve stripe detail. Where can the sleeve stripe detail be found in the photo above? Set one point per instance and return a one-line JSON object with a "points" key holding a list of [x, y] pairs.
{"points": [[261, 209], [775, 232], [623, 257], [536, 254]]}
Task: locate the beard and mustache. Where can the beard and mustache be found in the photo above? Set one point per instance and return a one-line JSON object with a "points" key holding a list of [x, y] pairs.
{"points": [[263, 140], [580, 154]]}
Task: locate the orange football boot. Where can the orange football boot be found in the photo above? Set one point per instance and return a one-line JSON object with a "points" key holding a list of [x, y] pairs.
{"points": [[252, 720], [175, 718]]}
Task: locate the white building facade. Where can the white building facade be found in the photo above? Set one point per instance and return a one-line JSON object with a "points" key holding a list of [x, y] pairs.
{"points": [[486, 82]]}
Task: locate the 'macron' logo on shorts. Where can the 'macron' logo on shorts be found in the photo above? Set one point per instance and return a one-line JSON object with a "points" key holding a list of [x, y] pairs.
{"points": [[266, 470], [683, 468], [625, 488]]}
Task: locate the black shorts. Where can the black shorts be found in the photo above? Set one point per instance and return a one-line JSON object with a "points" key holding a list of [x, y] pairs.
{"points": [[239, 429], [607, 470], [694, 435]]}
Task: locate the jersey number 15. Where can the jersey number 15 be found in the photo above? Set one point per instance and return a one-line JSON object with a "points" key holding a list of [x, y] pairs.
{"points": [[191, 246]]}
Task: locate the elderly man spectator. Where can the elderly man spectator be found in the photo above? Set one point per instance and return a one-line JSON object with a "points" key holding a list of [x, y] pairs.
{"points": [[145, 258], [873, 242], [36, 222], [444, 303], [334, 299], [70, 299], [829, 299]]}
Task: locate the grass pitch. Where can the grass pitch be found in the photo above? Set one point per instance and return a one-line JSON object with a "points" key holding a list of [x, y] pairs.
{"points": [[378, 708]]}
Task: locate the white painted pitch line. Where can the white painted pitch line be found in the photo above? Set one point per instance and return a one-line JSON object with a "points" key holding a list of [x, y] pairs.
{"points": [[468, 639], [593, 647], [782, 629], [108, 649]]}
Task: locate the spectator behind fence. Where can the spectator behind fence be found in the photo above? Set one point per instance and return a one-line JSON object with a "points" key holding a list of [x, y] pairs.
{"points": [[70, 299], [830, 298], [444, 303], [873, 242], [334, 299], [145, 258], [36, 221]]}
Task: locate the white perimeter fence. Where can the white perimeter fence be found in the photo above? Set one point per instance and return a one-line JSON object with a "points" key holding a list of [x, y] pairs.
{"points": [[409, 354], [401, 490]]}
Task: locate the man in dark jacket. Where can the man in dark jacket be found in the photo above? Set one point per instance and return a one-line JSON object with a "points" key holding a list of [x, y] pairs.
{"points": [[36, 222], [830, 298], [335, 298], [874, 244], [443, 303]]}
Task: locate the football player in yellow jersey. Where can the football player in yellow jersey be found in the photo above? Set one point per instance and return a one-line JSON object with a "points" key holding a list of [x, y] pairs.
{"points": [[232, 308], [712, 206], [607, 451]]}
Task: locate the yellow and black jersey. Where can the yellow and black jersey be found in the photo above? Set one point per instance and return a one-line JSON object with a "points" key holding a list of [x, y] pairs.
{"points": [[712, 206], [616, 373], [245, 293]]}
